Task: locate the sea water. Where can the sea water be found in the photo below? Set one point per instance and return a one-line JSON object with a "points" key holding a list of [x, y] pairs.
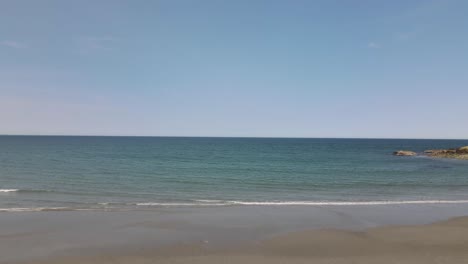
{"points": [[40, 173]]}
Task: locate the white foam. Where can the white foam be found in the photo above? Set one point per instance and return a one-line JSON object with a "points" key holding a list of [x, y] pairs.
{"points": [[304, 203], [8, 190], [34, 209], [318, 203], [181, 204], [209, 201]]}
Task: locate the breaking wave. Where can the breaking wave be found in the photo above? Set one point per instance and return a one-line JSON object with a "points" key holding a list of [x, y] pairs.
{"points": [[214, 203], [310, 203], [8, 190]]}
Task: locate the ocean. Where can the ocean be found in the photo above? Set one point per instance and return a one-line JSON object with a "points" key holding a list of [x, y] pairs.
{"points": [[42, 173]]}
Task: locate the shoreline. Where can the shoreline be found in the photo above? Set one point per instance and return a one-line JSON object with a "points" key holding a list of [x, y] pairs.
{"points": [[152, 206], [250, 234], [440, 242]]}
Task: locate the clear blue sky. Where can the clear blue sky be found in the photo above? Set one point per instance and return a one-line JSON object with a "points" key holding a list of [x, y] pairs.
{"points": [[235, 68]]}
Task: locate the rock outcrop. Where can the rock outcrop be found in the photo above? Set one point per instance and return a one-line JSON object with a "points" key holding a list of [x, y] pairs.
{"points": [[454, 153], [458, 153], [404, 153], [463, 150], [433, 152]]}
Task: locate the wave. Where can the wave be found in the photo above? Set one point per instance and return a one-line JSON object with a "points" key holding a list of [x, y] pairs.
{"points": [[35, 209], [308, 203], [26, 191], [318, 203], [54, 209], [210, 203], [8, 190], [181, 204]]}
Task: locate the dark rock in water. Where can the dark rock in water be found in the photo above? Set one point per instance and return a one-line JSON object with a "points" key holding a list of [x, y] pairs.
{"points": [[462, 150], [453, 153], [404, 153], [459, 153], [435, 151]]}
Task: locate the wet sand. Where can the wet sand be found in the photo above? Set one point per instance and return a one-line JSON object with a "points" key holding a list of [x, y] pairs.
{"points": [[442, 242], [401, 234]]}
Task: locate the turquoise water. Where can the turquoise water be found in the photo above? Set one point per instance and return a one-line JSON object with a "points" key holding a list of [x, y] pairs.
{"points": [[81, 173]]}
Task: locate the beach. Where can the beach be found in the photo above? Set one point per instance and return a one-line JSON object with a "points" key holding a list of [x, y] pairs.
{"points": [[238, 132], [249, 234], [443, 242], [230, 200]]}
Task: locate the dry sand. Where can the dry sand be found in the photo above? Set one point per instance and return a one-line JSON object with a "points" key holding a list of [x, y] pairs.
{"points": [[442, 242]]}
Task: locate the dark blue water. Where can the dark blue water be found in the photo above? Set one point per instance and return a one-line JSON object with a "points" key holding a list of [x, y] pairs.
{"points": [[39, 172]]}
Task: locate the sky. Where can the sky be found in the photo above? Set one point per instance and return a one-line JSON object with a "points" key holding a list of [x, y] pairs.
{"points": [[247, 68]]}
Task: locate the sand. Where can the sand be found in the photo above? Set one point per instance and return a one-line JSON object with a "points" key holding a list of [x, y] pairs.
{"points": [[441, 242]]}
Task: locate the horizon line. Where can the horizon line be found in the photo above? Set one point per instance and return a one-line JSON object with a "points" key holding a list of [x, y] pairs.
{"points": [[266, 137]]}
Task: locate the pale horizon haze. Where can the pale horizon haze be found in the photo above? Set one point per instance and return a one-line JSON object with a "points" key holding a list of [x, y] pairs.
{"points": [[351, 69]]}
